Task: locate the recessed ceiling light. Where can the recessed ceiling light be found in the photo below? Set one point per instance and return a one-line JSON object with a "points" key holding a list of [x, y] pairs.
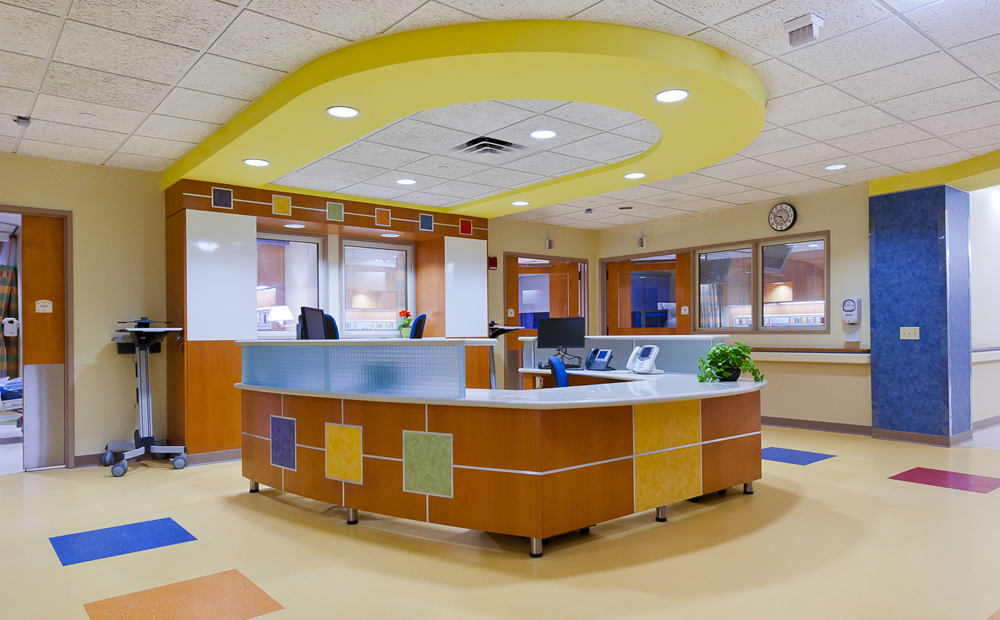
{"points": [[520, 203], [295, 225], [390, 235], [672, 96], [635, 175], [341, 111], [405, 181], [543, 134], [257, 163], [814, 245], [625, 208], [836, 166]]}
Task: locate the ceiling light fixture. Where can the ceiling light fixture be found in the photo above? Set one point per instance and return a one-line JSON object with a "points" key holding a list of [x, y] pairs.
{"points": [[295, 225], [672, 96], [520, 203], [635, 175], [543, 134], [405, 181], [257, 163], [390, 235], [22, 121], [836, 167], [341, 111], [625, 208], [588, 211]]}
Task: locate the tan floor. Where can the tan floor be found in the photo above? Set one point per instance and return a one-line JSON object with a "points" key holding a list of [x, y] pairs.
{"points": [[835, 539]]}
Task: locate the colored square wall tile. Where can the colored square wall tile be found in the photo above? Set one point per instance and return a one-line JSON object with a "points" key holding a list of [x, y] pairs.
{"points": [[283, 442], [281, 205], [335, 211], [793, 457], [119, 540], [343, 453], [667, 477], [667, 425], [427, 222], [222, 596], [383, 217], [949, 480], [222, 198], [427, 461]]}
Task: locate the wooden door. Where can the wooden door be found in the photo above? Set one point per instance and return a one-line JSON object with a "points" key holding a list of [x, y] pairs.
{"points": [[618, 286]]}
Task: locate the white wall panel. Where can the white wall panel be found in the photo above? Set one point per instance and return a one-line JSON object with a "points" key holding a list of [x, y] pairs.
{"points": [[465, 292], [221, 276]]}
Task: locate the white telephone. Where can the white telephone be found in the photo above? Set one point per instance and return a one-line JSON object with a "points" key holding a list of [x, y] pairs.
{"points": [[642, 360]]}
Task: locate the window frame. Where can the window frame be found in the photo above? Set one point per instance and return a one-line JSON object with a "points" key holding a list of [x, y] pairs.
{"points": [[696, 287], [411, 278], [321, 273]]}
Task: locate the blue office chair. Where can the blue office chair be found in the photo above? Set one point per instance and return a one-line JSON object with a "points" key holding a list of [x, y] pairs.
{"points": [[558, 372], [417, 331]]}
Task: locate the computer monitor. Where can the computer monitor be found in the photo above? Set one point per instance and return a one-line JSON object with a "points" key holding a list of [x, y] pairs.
{"points": [[312, 324], [561, 333]]}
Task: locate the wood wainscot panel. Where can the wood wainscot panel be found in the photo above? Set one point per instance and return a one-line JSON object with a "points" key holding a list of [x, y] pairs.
{"points": [[212, 410], [582, 497], [43, 277], [490, 437], [429, 275], [311, 414], [309, 478], [382, 492], [477, 367], [257, 462], [383, 425], [474, 490], [256, 409], [730, 415], [729, 463], [174, 344], [587, 435]]}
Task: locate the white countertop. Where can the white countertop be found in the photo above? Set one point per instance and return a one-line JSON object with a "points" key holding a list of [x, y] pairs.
{"points": [[346, 342], [616, 375], [644, 337], [656, 388]]}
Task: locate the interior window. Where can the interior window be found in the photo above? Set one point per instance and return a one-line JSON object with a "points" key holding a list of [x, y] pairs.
{"points": [[376, 286], [287, 279], [794, 284], [654, 299], [724, 288]]}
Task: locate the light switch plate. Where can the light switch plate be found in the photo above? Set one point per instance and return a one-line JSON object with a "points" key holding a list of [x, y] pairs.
{"points": [[909, 333]]}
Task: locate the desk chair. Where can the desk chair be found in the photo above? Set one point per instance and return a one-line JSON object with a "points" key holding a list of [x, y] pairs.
{"points": [[417, 331], [558, 372]]}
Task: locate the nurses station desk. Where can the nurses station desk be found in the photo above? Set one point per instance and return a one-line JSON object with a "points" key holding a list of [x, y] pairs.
{"points": [[388, 426]]}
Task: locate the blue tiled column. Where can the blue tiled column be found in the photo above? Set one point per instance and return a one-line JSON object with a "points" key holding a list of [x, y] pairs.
{"points": [[918, 245]]}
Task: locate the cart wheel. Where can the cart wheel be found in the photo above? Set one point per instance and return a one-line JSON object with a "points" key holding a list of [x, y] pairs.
{"points": [[119, 469], [108, 458], [723, 491], [180, 462], [584, 530], [159, 456]]}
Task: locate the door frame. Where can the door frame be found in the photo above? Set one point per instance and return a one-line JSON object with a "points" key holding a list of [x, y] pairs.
{"points": [[69, 404], [602, 284]]}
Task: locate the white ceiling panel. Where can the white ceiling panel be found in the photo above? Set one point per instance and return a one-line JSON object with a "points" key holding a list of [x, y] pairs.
{"points": [[982, 55], [763, 26], [444, 167], [907, 5], [197, 106], [589, 225], [853, 177], [155, 147], [307, 180], [853, 163], [596, 117], [603, 147], [743, 52], [802, 155], [23, 72], [84, 114], [975, 138], [8, 129], [844, 123], [503, 177], [645, 131], [682, 182], [70, 135], [942, 100], [803, 187], [231, 78], [717, 189], [746, 197], [425, 199], [878, 45], [953, 22], [461, 189], [479, 117], [171, 128], [388, 179], [525, 216], [935, 161], [880, 138], [961, 120], [547, 163], [625, 208], [14, 102], [62, 151], [520, 9], [770, 179], [774, 140], [554, 210], [633, 193], [622, 220], [53, 7], [808, 104], [783, 79], [640, 14], [906, 152], [737, 169], [714, 11], [592, 202], [26, 32], [538, 106], [430, 15], [558, 221], [375, 154], [190, 23], [122, 54], [672, 200], [347, 19], [64, 80], [906, 78], [417, 136], [566, 132], [983, 150], [139, 162], [7, 144], [374, 191], [343, 170], [262, 40], [705, 204]]}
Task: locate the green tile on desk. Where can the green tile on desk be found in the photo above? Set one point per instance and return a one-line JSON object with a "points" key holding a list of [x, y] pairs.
{"points": [[427, 460]]}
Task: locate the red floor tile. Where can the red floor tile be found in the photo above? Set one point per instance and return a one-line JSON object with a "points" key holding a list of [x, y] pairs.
{"points": [[949, 480]]}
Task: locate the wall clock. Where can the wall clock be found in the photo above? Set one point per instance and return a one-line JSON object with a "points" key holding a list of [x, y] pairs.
{"points": [[781, 217]]}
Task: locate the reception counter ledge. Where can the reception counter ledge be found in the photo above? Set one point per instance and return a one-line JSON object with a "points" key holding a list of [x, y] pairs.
{"points": [[527, 463]]}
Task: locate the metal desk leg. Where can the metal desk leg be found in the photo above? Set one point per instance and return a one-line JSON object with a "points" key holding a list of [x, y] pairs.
{"points": [[535, 547], [352, 516], [493, 371], [254, 487], [661, 514]]}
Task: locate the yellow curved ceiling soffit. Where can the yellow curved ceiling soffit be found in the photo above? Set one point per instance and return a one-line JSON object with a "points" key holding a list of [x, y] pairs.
{"points": [[391, 77], [968, 175]]}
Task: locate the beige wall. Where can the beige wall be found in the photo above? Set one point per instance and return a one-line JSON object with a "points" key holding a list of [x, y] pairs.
{"points": [[118, 274]]}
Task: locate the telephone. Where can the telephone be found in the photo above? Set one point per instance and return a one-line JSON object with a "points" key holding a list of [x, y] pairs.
{"points": [[642, 360], [598, 359]]}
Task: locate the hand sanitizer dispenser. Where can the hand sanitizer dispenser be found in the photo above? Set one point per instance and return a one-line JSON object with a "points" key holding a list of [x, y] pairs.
{"points": [[850, 312]]}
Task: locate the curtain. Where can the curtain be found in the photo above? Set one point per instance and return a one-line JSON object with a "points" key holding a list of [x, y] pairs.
{"points": [[8, 308], [711, 310]]}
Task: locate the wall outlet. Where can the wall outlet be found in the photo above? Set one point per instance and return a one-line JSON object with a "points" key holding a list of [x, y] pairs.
{"points": [[538, 382], [909, 333]]}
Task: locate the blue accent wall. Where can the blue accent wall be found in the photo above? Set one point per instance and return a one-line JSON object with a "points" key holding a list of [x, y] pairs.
{"points": [[919, 270]]}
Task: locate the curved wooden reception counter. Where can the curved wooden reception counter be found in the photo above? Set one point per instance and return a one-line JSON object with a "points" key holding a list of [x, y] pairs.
{"points": [[533, 463]]}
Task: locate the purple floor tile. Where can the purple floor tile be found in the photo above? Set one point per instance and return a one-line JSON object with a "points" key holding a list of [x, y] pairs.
{"points": [[949, 480]]}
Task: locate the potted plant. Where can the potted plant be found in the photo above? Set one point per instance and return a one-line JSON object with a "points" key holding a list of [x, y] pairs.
{"points": [[405, 318], [726, 363]]}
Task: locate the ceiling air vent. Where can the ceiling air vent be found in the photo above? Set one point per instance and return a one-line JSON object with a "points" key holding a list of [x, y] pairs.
{"points": [[803, 29], [489, 151]]}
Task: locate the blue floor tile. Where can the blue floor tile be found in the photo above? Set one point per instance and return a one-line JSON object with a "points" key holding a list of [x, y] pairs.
{"points": [[112, 541], [793, 457]]}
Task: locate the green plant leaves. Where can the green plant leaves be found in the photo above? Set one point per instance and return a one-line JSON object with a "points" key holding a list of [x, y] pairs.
{"points": [[721, 357]]}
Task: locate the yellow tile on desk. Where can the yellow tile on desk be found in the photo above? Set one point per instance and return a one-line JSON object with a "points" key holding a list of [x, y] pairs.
{"points": [[666, 425], [343, 452], [667, 477]]}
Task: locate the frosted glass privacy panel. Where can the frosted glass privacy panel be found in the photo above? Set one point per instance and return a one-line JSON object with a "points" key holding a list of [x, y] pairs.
{"points": [[425, 371]]}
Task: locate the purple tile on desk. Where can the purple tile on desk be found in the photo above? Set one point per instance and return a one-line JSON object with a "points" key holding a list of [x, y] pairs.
{"points": [[793, 457], [949, 480], [283, 442]]}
